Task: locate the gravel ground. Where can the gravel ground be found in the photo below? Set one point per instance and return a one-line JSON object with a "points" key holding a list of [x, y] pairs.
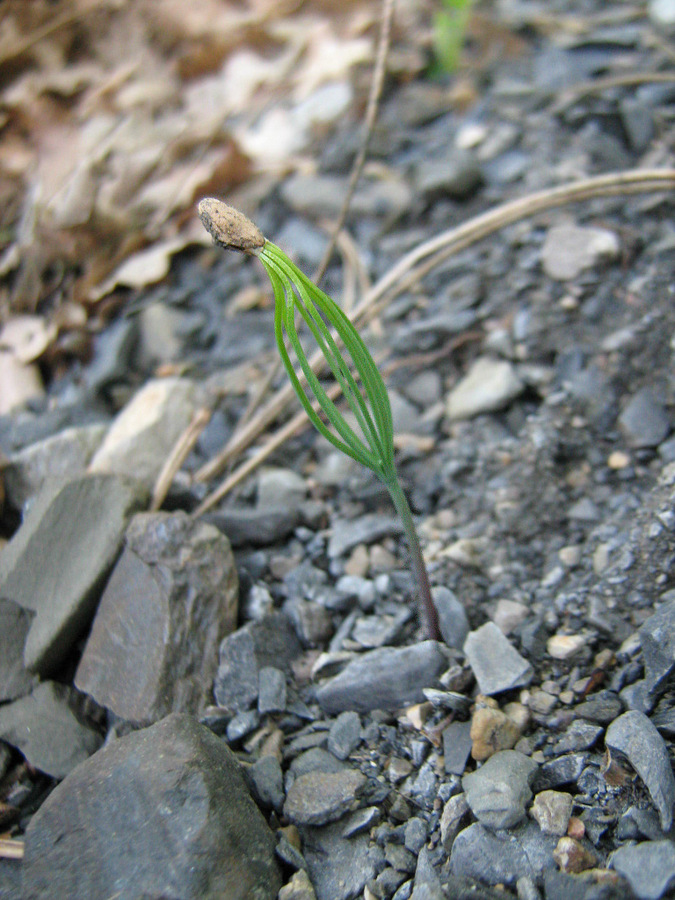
{"points": [[529, 753]]}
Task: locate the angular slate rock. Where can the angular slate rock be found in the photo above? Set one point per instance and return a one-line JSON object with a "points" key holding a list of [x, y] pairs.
{"points": [[49, 729], [266, 782], [364, 530], [496, 664], [321, 797], [634, 735], [649, 867], [268, 642], [153, 647], [344, 735], [452, 619], [502, 857], [498, 792], [162, 812], [15, 679], [387, 678], [70, 543], [657, 636], [64, 455], [427, 882], [339, 867]]}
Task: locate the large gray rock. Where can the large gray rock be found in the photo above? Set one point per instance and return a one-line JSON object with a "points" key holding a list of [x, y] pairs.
{"points": [[498, 792], [47, 726], [634, 735], [172, 597], [387, 678], [163, 812], [56, 562], [496, 664]]}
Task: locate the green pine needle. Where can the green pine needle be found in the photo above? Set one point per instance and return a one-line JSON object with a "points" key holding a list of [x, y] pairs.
{"points": [[359, 379]]}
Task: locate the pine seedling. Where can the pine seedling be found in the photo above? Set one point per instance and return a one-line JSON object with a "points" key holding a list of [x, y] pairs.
{"points": [[359, 379]]}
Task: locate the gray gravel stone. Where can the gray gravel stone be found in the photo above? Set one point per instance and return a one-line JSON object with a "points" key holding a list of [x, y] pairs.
{"points": [[452, 618], [427, 883], [649, 867], [657, 636], [456, 747], [415, 834], [266, 782], [559, 772], [455, 812], [644, 421], [163, 812], [388, 678], [271, 690], [49, 729], [489, 385], [504, 857], [496, 664], [258, 527], [344, 735], [602, 707], [634, 735], [457, 174], [321, 797], [153, 646], [280, 487], [579, 736], [552, 810], [63, 456], [69, 544], [365, 530], [269, 642], [498, 792], [339, 867], [570, 249]]}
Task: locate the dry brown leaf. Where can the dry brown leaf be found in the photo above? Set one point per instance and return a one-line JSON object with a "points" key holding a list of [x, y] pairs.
{"points": [[151, 265]]}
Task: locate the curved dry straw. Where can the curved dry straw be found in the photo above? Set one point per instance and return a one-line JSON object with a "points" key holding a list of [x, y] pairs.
{"points": [[295, 295]]}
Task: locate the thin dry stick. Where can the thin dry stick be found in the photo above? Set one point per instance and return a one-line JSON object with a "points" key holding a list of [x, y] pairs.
{"points": [[178, 455], [371, 114], [596, 86], [286, 432], [10, 849], [419, 262]]}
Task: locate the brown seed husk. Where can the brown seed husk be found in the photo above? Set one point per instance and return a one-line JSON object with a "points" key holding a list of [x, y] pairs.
{"points": [[228, 227]]}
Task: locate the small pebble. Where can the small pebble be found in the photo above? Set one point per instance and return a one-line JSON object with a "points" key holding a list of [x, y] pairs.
{"points": [[572, 856], [552, 810]]}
